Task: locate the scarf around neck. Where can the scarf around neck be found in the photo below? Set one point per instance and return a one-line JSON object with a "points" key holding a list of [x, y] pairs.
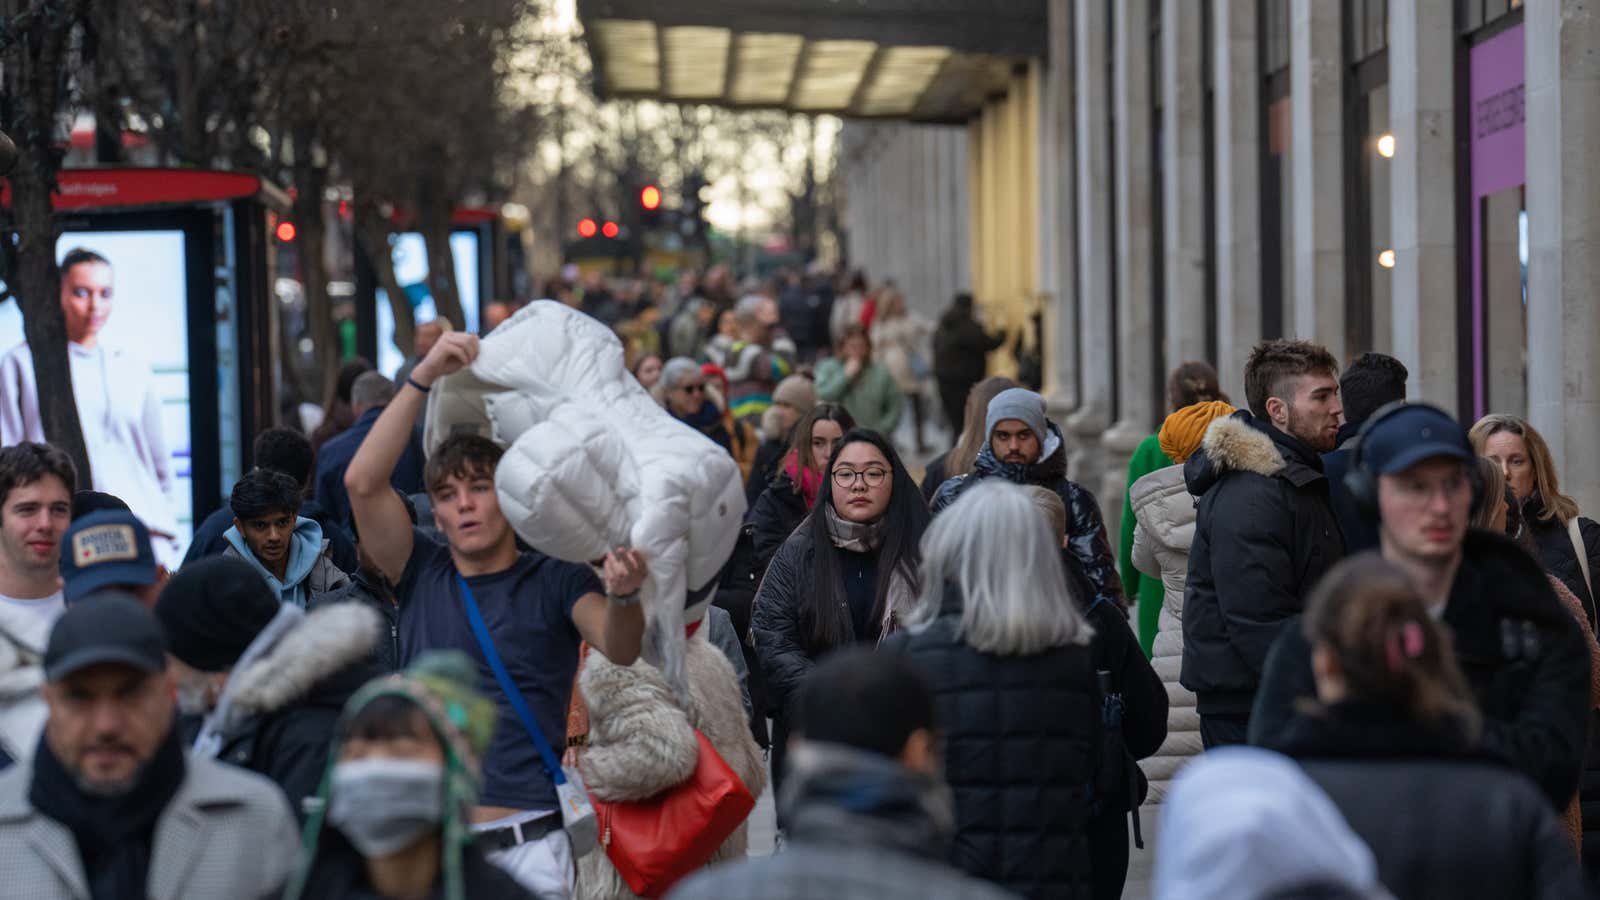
{"points": [[807, 481], [858, 537], [115, 835]]}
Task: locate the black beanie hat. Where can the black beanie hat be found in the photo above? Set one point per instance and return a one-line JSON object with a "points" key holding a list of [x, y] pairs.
{"points": [[212, 609]]}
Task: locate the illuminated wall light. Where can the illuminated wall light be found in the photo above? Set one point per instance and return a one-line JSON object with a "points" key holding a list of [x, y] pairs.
{"points": [[1386, 146], [1386, 259]]}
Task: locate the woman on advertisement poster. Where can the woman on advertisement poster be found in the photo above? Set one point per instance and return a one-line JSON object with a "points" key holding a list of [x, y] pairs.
{"points": [[117, 404]]}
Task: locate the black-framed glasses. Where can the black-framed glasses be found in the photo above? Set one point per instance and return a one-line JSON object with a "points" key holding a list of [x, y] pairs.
{"points": [[874, 477], [693, 389]]}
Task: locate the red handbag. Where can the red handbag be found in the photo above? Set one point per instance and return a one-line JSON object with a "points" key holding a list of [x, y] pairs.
{"points": [[656, 842]]}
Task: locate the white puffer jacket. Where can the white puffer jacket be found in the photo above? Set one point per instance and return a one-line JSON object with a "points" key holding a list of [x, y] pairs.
{"points": [[1166, 514], [594, 463]]}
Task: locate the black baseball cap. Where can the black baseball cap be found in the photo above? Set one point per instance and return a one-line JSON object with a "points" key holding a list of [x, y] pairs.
{"points": [[108, 627], [1400, 438]]}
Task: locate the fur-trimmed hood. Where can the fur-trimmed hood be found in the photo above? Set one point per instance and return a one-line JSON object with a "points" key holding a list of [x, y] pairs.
{"points": [[1241, 443], [332, 639]]}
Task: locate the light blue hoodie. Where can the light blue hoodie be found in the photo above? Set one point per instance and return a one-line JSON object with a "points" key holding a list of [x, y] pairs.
{"points": [[305, 549]]}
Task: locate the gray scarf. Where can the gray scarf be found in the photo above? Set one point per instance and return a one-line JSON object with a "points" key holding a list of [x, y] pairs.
{"points": [[858, 537]]}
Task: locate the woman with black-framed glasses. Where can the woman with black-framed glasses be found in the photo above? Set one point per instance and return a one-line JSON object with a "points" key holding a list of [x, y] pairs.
{"points": [[845, 576]]}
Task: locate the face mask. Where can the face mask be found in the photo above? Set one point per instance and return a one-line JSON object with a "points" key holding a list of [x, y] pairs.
{"points": [[384, 805]]}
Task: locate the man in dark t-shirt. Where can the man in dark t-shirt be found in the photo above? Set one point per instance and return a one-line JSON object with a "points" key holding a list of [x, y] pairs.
{"points": [[537, 610]]}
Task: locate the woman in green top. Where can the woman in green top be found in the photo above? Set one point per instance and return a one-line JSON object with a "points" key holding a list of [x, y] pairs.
{"points": [[1190, 383], [864, 388]]}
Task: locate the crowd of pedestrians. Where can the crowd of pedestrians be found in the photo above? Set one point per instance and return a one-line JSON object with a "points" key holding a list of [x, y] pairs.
{"points": [[383, 670]]}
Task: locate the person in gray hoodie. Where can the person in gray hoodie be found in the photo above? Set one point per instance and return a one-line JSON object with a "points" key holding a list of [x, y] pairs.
{"points": [[286, 549]]}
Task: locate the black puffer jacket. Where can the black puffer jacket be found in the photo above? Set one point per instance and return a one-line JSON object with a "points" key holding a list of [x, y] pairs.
{"points": [[1086, 530], [1520, 649], [1264, 535], [764, 470], [933, 476], [778, 512], [1021, 751], [1441, 822], [295, 694]]}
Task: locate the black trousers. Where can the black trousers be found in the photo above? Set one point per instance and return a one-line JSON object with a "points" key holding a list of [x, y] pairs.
{"points": [[1222, 731], [953, 397]]}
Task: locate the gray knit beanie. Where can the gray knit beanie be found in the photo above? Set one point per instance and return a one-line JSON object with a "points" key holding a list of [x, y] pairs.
{"points": [[1021, 404]]}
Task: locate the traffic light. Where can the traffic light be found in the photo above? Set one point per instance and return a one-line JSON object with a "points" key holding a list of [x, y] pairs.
{"points": [[650, 197], [285, 231], [587, 228], [610, 230]]}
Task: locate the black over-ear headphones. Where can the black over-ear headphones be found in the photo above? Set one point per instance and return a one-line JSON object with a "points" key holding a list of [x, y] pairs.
{"points": [[1362, 485]]}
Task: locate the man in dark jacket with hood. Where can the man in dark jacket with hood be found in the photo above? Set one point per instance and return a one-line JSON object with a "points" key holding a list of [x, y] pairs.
{"points": [[1264, 529], [869, 815], [265, 680], [1522, 652], [1372, 382], [1026, 448]]}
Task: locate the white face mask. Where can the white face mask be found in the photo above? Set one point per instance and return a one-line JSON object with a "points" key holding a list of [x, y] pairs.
{"points": [[385, 805]]}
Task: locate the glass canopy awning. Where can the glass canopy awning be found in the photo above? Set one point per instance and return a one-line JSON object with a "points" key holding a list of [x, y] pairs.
{"points": [[919, 60]]}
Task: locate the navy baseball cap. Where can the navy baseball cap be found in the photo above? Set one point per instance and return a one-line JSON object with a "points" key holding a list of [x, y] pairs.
{"points": [[108, 627], [1410, 433], [110, 547]]}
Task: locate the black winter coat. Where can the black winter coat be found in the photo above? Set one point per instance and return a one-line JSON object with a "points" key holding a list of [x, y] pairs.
{"points": [[341, 874], [1264, 535], [777, 513], [961, 347], [1558, 555], [1441, 822], [1086, 530], [1520, 649], [1021, 740], [769, 457], [366, 589]]}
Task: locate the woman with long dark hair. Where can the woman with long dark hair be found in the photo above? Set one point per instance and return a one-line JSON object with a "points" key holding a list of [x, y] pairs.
{"points": [[845, 576], [793, 492]]}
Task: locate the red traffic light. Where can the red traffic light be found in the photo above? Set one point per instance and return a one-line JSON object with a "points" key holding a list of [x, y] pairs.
{"points": [[285, 231], [650, 197], [587, 228], [610, 229]]}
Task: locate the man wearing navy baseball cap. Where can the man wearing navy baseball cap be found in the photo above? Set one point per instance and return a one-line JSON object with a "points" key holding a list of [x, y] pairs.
{"points": [[1414, 473], [110, 550]]}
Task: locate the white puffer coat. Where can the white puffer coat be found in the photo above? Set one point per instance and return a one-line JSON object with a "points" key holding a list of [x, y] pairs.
{"points": [[593, 463], [1166, 515]]}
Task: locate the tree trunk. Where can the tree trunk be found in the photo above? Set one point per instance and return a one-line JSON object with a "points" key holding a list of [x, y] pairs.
{"points": [[32, 67], [310, 181], [372, 230], [433, 220]]}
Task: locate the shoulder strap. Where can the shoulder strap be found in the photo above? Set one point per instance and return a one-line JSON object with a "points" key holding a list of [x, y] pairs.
{"points": [[552, 764], [1575, 533]]}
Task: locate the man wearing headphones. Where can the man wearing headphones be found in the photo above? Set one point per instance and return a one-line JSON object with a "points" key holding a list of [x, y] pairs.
{"points": [[1413, 473]]}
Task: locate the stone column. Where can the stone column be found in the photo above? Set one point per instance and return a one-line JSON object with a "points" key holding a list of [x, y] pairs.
{"points": [[1093, 416], [1134, 190], [1316, 69], [1563, 197], [1184, 187], [1236, 109], [1057, 216]]}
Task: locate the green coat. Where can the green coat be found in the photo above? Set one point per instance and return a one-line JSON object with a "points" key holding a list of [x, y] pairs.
{"points": [[874, 400], [1146, 459]]}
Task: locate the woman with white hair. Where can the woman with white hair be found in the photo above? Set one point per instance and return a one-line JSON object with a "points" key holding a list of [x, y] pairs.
{"points": [[1007, 652], [681, 390]]}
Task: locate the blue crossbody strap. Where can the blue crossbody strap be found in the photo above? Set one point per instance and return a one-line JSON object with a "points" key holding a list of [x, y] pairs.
{"points": [[552, 764]]}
